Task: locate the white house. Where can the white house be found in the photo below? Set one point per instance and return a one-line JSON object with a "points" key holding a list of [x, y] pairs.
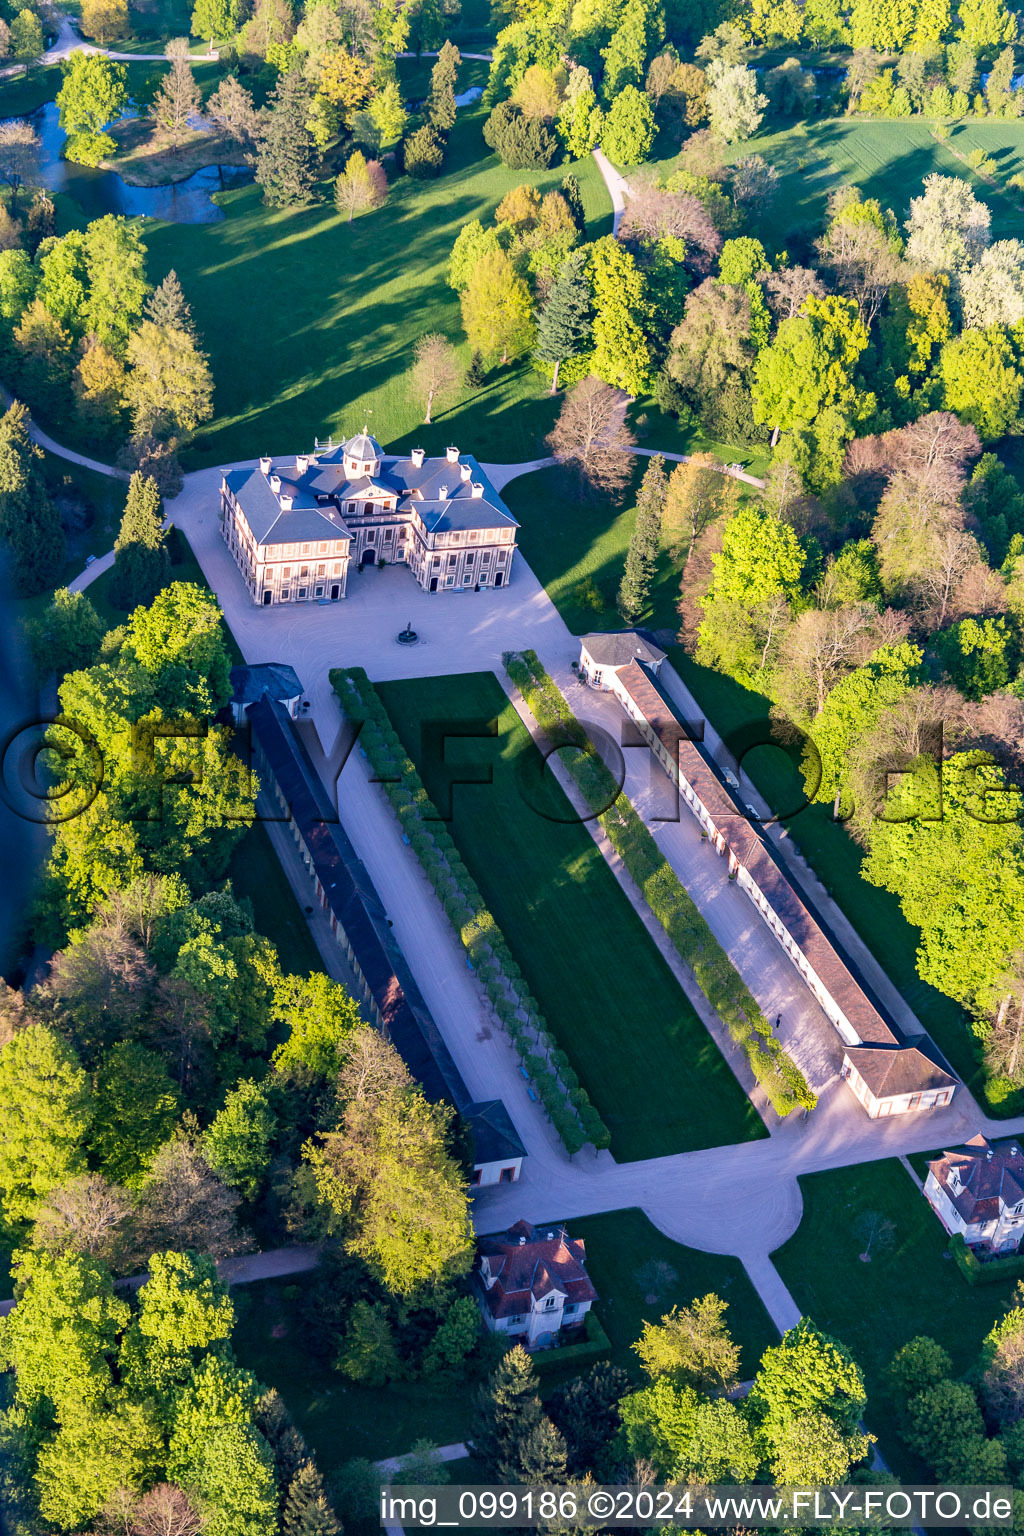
{"points": [[533, 1282], [889, 1074], [978, 1191], [297, 525]]}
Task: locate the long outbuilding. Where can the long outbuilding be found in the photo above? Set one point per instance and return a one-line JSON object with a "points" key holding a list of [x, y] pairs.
{"points": [[890, 1073], [291, 786]]}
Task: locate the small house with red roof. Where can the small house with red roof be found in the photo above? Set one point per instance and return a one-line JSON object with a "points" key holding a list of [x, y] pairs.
{"points": [[977, 1190], [533, 1283]]}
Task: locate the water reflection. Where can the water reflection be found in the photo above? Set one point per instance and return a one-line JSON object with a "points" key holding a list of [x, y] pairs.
{"points": [[99, 192]]}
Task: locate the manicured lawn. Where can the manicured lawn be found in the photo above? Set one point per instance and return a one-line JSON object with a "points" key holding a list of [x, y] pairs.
{"points": [[885, 159], [621, 1248], [644, 1057], [907, 1288], [310, 321], [341, 1420], [739, 715], [256, 872]]}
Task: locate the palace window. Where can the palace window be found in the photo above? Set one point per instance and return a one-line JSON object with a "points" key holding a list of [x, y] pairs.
{"points": [[321, 570], [286, 572], [285, 594], [303, 591], [304, 571], [323, 549], [305, 549], [337, 568]]}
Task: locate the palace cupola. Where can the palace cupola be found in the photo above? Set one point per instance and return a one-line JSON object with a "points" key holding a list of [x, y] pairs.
{"points": [[362, 456]]}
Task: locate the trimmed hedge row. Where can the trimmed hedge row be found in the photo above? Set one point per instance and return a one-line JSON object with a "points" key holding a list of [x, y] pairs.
{"points": [[977, 1273], [783, 1082], [556, 1085], [596, 1346]]}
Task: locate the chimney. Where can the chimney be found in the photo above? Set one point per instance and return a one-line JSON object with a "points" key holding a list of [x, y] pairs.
{"points": [[302, 463], [286, 503], [417, 457], [264, 466], [476, 490], [522, 1240], [442, 492], [988, 1154], [1014, 1152], [467, 470], [453, 455]]}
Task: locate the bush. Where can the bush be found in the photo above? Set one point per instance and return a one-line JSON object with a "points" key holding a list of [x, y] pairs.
{"points": [[522, 143], [975, 1272], [423, 153]]}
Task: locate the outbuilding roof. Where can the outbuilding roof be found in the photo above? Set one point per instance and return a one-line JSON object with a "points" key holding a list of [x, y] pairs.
{"points": [[614, 648], [274, 678]]}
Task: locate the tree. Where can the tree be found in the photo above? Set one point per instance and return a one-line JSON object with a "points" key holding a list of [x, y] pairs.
{"points": [[27, 36], [368, 1352], [981, 382], [169, 389], [217, 1454], [564, 322], [184, 1311], [862, 249], [439, 108], [320, 1015], [362, 184], [307, 1511], [28, 522], [211, 19], [940, 869], [580, 124], [992, 291], [66, 636], [809, 1373], [167, 305], [586, 1413], [231, 110], [105, 20], [184, 1205], [115, 265], [759, 557], [423, 153], [60, 1340], [508, 1411], [986, 23], [692, 1346], [287, 162], [166, 1510], [808, 368], [735, 106], [387, 1175], [621, 355], [47, 1109], [436, 374], [98, 383], [496, 310], [85, 1216], [977, 655], [917, 1365], [19, 156], [177, 97], [591, 434], [472, 242], [237, 1144], [644, 542], [851, 709], [948, 227], [94, 93], [628, 130], [136, 1107], [140, 550], [388, 113], [521, 142], [457, 1336]]}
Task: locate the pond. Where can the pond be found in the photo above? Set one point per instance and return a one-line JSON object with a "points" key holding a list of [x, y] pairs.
{"points": [[98, 192]]}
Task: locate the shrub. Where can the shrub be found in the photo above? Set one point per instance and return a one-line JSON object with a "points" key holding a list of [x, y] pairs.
{"points": [[520, 142], [423, 153]]}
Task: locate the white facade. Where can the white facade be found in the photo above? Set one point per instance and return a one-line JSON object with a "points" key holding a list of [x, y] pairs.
{"points": [[504, 1171]]}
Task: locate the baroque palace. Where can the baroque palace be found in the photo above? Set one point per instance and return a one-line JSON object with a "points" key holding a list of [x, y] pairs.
{"points": [[296, 526]]}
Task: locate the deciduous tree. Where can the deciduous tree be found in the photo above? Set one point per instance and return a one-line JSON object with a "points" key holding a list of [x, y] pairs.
{"points": [[591, 435], [437, 374], [94, 93]]}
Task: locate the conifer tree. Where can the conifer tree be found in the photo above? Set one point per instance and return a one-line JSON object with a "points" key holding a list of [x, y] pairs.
{"points": [[644, 543], [167, 305], [28, 519], [439, 110], [140, 553], [563, 327], [508, 1412], [287, 161], [574, 201], [306, 1509]]}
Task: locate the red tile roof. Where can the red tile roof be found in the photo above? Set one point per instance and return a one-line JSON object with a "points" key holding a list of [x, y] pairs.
{"points": [[526, 1268], [990, 1173]]}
